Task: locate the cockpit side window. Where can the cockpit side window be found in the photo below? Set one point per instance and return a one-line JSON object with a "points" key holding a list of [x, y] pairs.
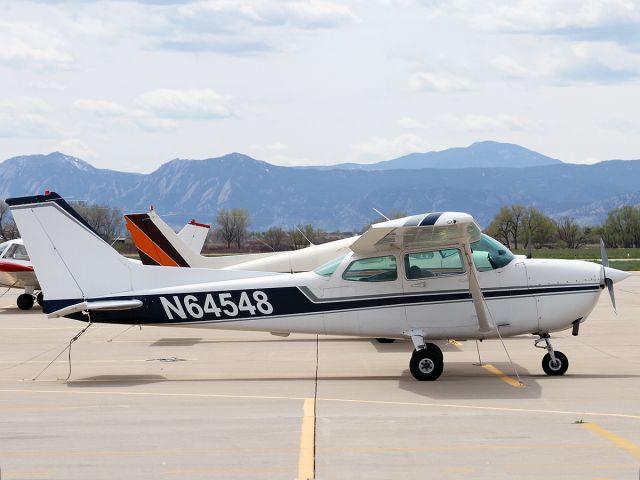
{"points": [[17, 252], [3, 247], [20, 253], [376, 269], [489, 254], [435, 263]]}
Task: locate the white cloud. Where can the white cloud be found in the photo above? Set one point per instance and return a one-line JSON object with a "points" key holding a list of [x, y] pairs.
{"points": [[384, 148], [483, 123], [160, 110], [31, 46], [75, 148], [194, 104], [562, 17], [439, 82], [26, 117], [101, 108], [227, 14], [409, 123], [574, 63]]}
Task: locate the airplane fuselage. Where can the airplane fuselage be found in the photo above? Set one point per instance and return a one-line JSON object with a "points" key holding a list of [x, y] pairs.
{"points": [[525, 296]]}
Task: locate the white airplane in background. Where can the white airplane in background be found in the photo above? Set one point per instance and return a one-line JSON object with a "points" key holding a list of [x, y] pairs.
{"points": [[16, 270], [158, 244], [412, 277]]}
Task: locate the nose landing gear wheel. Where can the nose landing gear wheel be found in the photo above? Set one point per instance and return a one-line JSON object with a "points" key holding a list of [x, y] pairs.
{"points": [[559, 367], [427, 364], [25, 301]]}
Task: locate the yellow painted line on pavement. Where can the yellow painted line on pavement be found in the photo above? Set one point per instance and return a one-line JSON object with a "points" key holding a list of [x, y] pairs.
{"points": [[307, 457], [502, 376], [326, 399], [617, 440]]}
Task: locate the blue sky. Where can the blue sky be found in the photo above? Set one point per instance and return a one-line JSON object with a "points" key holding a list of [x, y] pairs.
{"points": [[131, 84]]}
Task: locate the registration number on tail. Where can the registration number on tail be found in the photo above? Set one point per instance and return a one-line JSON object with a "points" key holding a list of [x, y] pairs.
{"points": [[217, 304]]}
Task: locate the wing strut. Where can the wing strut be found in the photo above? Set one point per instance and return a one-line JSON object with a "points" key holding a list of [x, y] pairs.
{"points": [[476, 292]]}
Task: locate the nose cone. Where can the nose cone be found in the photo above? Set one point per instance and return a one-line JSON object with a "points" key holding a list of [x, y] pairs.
{"points": [[615, 275]]}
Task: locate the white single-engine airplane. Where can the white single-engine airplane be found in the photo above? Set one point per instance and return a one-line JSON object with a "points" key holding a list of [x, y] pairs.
{"points": [[158, 244], [16, 271], [427, 277]]}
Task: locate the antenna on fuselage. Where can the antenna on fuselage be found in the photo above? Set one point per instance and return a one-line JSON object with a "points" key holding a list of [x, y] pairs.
{"points": [[305, 237], [380, 213]]}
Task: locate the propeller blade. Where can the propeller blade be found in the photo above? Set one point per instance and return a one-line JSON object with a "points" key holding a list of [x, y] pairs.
{"points": [[609, 283], [603, 254], [529, 248]]}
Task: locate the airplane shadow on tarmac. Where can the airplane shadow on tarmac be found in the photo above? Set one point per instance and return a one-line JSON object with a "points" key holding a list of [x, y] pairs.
{"points": [[188, 342], [116, 380]]}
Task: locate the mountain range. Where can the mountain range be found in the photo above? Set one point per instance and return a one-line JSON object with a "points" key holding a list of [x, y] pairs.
{"points": [[338, 198]]}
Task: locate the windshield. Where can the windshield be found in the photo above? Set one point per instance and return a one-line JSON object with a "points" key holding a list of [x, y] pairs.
{"points": [[489, 254], [328, 268]]}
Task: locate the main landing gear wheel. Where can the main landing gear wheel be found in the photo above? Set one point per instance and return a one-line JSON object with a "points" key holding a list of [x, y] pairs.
{"points": [[25, 301], [40, 299], [559, 367], [385, 340], [427, 364]]}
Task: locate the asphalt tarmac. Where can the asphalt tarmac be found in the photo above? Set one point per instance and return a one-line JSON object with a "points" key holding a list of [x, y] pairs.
{"points": [[169, 403]]}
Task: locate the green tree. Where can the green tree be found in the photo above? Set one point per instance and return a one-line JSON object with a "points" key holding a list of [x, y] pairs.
{"points": [[233, 226], [622, 227], [537, 227], [569, 232], [105, 220], [506, 226]]}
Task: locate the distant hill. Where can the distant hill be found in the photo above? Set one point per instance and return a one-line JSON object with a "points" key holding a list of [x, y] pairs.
{"points": [[486, 154], [330, 199]]}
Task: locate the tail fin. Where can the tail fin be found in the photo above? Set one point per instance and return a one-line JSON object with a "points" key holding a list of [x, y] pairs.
{"points": [[194, 234], [158, 244], [59, 242]]}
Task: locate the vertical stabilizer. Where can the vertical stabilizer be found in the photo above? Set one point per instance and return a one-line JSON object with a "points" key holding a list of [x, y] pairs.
{"points": [[194, 234], [69, 257]]}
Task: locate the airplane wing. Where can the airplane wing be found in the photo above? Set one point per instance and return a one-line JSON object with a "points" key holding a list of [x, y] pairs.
{"points": [[426, 230], [430, 230], [193, 234]]}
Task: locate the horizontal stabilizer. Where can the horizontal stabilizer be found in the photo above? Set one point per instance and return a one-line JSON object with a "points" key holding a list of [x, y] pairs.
{"points": [[98, 305]]}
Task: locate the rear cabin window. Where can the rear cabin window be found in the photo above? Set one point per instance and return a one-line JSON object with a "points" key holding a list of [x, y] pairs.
{"points": [[376, 269], [434, 263]]}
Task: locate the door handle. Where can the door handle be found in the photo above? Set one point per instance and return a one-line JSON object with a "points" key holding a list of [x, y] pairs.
{"points": [[421, 283]]}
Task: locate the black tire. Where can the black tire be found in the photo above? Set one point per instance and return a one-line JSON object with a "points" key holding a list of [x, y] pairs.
{"points": [[40, 299], [25, 301], [555, 370], [427, 364], [385, 340]]}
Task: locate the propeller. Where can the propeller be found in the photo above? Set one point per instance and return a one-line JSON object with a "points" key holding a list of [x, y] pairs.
{"points": [[607, 281], [529, 247]]}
